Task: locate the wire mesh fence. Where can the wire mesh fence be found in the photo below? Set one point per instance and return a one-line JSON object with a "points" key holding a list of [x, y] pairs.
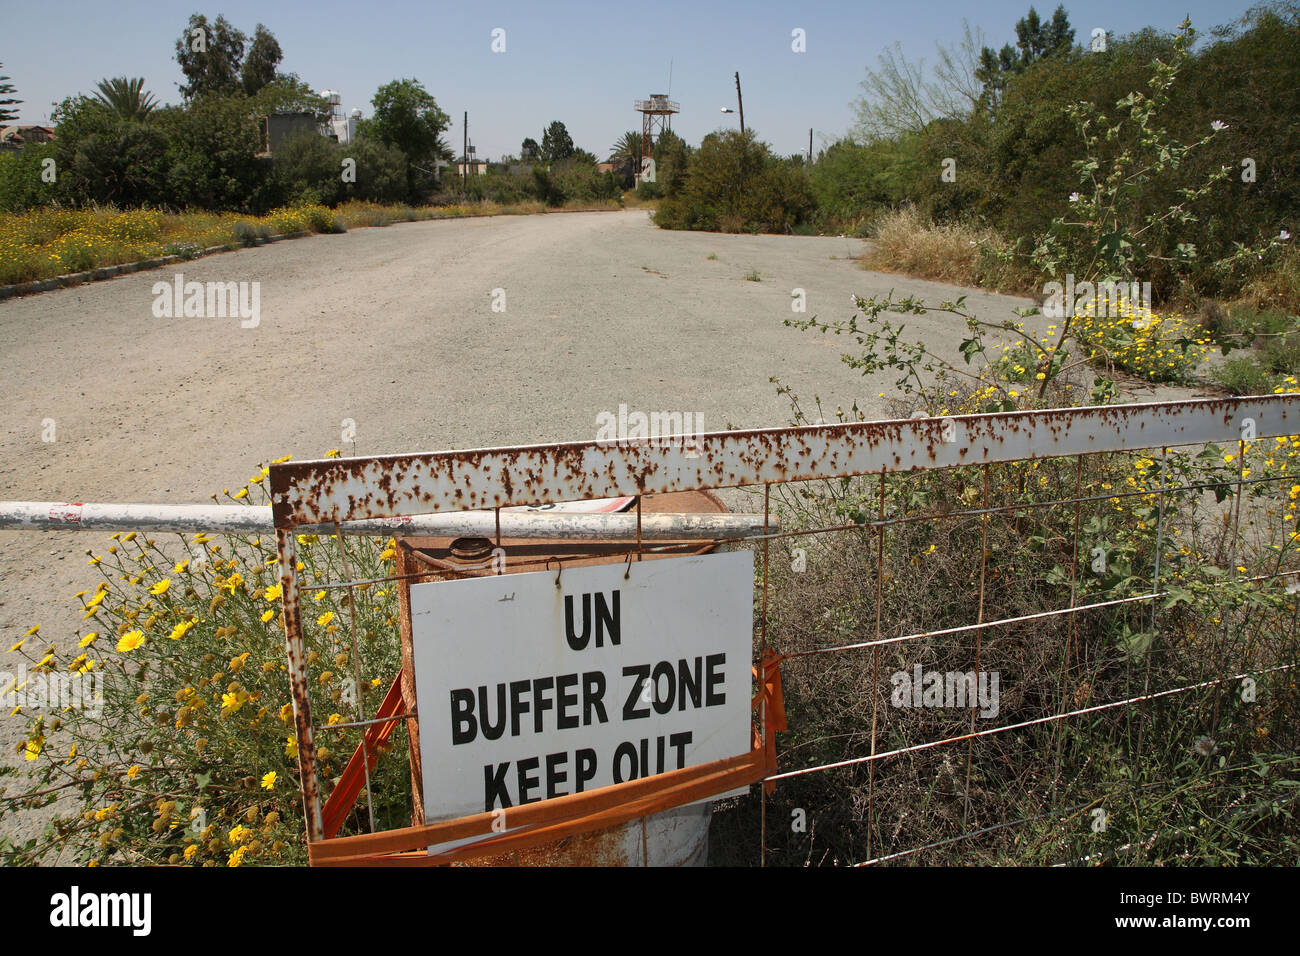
{"points": [[1053, 637]]}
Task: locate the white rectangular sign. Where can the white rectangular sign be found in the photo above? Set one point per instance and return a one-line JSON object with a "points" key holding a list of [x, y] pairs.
{"points": [[527, 691]]}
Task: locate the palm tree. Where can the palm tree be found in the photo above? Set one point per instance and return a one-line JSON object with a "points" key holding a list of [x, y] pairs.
{"points": [[626, 151], [126, 97]]}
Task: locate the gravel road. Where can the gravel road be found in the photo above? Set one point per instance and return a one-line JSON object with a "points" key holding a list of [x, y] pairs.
{"points": [[395, 329]]}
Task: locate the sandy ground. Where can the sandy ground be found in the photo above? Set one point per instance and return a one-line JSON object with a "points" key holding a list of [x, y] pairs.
{"points": [[394, 329]]}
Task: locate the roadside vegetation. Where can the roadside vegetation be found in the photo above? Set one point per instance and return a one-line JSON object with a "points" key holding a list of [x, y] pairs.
{"points": [[192, 759], [1208, 776], [126, 178], [46, 242]]}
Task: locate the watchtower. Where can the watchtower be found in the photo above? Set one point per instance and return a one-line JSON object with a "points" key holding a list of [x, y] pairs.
{"points": [[656, 116]]}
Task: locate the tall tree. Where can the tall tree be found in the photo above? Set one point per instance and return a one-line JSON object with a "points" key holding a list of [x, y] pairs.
{"points": [[210, 56], [260, 63], [627, 149], [1035, 40], [126, 97], [407, 116], [529, 149], [7, 114], [557, 144], [899, 97]]}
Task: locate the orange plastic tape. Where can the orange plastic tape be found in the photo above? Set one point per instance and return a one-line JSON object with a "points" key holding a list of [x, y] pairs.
{"points": [[344, 796]]}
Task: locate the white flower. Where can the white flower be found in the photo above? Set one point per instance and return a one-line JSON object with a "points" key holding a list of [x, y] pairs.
{"points": [[1218, 125], [1284, 234], [1074, 197]]}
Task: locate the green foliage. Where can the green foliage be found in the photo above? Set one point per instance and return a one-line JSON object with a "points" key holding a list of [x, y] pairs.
{"points": [[288, 94], [211, 148], [1035, 41], [1245, 376], [407, 117], [21, 184], [1224, 182], [735, 184], [126, 97], [850, 180], [627, 149], [7, 102], [103, 158], [574, 180], [192, 758], [210, 56], [306, 169], [381, 171], [260, 63], [557, 144], [672, 158]]}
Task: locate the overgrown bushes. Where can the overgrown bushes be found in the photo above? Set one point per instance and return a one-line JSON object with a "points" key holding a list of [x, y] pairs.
{"points": [[733, 183]]}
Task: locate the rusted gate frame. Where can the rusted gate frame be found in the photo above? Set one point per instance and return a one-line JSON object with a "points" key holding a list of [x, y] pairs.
{"points": [[339, 490]]}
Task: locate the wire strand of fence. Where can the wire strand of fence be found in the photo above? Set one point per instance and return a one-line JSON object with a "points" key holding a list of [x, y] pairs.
{"points": [[1064, 813], [1021, 725]]}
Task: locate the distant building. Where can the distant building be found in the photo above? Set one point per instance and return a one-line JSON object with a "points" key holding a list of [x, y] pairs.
{"points": [[16, 137], [475, 166], [279, 128]]}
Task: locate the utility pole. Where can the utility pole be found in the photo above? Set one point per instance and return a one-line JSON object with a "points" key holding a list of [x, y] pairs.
{"points": [[740, 103], [464, 155], [809, 145]]}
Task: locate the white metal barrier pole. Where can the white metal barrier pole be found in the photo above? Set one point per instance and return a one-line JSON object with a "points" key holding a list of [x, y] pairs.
{"points": [[255, 519]]}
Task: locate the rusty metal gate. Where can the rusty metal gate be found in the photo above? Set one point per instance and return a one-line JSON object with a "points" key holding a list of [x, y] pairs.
{"points": [[768, 463]]}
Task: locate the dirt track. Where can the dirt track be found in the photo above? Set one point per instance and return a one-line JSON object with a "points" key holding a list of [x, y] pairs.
{"points": [[394, 329]]}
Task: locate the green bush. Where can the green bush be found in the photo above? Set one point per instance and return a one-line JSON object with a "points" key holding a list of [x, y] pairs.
{"points": [[734, 183], [21, 185], [211, 154], [1244, 376], [851, 181], [104, 159]]}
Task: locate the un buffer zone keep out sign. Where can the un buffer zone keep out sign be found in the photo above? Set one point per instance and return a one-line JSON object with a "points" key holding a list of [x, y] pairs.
{"points": [[527, 691]]}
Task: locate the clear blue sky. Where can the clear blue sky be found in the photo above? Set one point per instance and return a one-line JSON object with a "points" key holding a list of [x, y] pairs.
{"points": [[582, 63]]}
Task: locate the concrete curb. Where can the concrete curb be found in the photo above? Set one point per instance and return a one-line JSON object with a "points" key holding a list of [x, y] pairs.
{"points": [[109, 272]]}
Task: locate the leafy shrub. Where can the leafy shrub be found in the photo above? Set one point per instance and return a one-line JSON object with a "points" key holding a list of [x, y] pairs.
{"points": [[734, 183], [1244, 376], [21, 185], [211, 154], [102, 158]]}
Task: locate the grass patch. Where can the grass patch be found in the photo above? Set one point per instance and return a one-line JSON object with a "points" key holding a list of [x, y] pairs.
{"points": [[1244, 376], [753, 275], [958, 254], [1277, 287]]}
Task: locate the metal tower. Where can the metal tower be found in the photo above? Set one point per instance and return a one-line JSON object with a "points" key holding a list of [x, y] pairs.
{"points": [[656, 116]]}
